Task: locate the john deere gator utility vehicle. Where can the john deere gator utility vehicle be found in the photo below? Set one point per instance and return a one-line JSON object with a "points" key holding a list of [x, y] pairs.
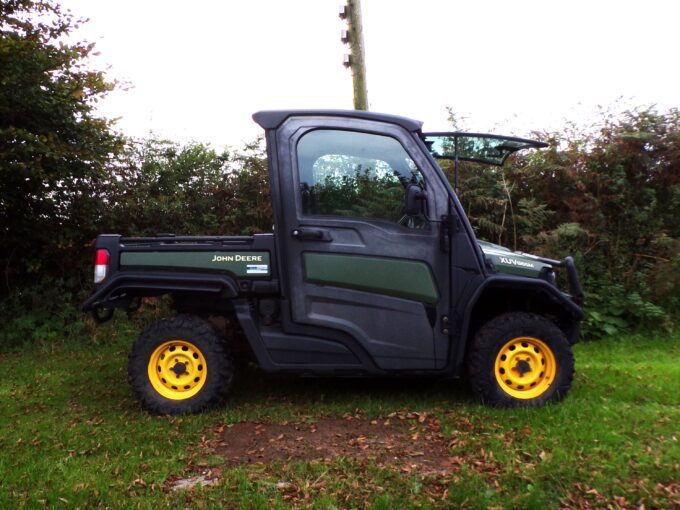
{"points": [[372, 269]]}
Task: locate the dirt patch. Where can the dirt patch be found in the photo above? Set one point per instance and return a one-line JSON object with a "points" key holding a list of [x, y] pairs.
{"points": [[411, 442]]}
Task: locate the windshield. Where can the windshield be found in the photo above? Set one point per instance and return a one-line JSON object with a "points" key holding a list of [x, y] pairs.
{"points": [[477, 147]]}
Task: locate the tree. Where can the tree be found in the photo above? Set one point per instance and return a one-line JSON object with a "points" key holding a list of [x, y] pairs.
{"points": [[161, 186], [54, 149], [611, 198]]}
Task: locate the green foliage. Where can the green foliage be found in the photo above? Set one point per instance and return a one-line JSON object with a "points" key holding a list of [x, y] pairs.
{"points": [[610, 198], [614, 309], [41, 314], [159, 186], [53, 148]]}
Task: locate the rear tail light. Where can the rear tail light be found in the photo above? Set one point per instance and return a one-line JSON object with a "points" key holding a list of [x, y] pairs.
{"points": [[101, 265]]}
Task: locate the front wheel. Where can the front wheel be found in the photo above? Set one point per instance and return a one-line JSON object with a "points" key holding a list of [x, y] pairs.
{"points": [[520, 360], [180, 366]]}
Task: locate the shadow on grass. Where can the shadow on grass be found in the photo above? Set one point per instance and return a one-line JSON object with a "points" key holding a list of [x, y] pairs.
{"points": [[254, 387]]}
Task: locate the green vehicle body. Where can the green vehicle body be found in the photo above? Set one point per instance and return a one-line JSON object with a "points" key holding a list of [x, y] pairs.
{"points": [[507, 261], [391, 276], [249, 265]]}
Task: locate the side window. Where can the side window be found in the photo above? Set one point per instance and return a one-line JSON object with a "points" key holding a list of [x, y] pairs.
{"points": [[348, 173]]}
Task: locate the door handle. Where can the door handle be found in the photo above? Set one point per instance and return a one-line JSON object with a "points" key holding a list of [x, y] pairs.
{"points": [[311, 234]]}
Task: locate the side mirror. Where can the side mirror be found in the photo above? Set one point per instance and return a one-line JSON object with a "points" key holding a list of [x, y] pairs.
{"points": [[414, 200]]}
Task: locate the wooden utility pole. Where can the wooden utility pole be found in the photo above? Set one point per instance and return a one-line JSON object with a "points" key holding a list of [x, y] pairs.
{"points": [[354, 36]]}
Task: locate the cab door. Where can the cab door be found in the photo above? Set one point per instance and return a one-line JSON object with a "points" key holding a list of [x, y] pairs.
{"points": [[351, 260]]}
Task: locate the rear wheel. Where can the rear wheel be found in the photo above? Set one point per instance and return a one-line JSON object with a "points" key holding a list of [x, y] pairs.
{"points": [[179, 366], [520, 359]]}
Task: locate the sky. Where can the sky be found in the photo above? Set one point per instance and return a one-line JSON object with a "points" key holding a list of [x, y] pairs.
{"points": [[197, 71]]}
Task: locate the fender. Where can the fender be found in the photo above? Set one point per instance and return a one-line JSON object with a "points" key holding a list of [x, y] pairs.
{"points": [[512, 282], [113, 293]]}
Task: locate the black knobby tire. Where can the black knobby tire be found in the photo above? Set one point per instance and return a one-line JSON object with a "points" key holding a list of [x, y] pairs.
{"points": [[192, 331], [541, 339]]}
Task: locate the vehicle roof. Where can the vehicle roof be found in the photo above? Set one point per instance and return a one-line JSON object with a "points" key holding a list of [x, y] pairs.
{"points": [[271, 119]]}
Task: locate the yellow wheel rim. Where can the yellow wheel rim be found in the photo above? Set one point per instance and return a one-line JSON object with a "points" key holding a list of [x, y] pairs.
{"points": [[177, 369], [525, 367]]}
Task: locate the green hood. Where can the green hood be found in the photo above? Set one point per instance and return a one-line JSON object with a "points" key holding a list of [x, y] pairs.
{"points": [[506, 261]]}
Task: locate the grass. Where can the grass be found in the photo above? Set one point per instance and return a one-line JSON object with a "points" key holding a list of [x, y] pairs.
{"points": [[72, 436]]}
